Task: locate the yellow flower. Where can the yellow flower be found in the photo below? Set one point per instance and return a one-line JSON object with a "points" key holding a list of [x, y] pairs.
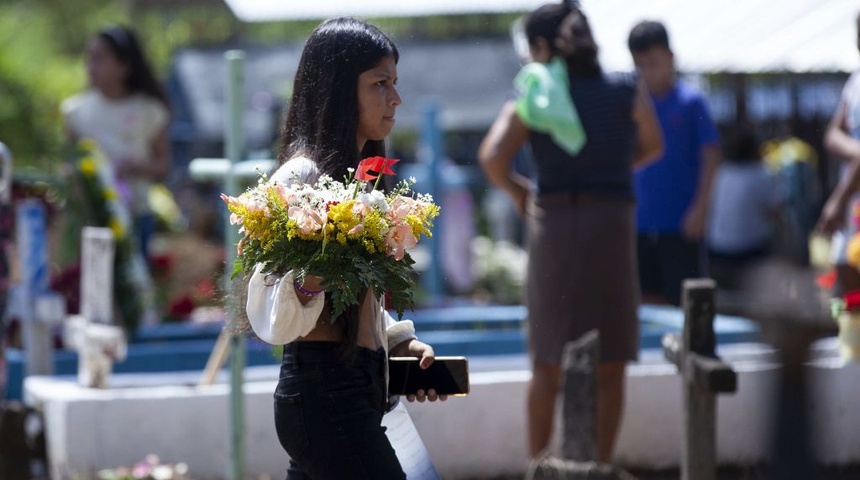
{"points": [[110, 194], [853, 251], [117, 228], [88, 166]]}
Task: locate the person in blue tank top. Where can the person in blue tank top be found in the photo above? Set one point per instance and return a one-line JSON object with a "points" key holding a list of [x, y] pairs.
{"points": [[673, 193]]}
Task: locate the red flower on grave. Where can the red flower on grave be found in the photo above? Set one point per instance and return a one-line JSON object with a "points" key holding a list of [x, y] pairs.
{"points": [[160, 265], [852, 300], [181, 307], [826, 280]]}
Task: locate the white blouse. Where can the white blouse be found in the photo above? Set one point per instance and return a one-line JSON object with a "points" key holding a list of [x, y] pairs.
{"points": [[274, 310]]}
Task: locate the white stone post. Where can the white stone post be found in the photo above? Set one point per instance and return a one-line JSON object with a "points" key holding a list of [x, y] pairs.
{"points": [[97, 259]]}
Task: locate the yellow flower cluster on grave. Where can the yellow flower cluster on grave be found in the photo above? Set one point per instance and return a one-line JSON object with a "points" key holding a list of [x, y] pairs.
{"points": [[88, 166], [102, 206]]}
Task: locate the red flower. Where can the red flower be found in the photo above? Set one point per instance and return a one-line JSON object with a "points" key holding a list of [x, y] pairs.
{"points": [[160, 265], [380, 165], [361, 173], [181, 307], [205, 289], [826, 280], [852, 300]]}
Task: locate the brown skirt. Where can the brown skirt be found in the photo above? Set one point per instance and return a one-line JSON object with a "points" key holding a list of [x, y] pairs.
{"points": [[582, 276]]}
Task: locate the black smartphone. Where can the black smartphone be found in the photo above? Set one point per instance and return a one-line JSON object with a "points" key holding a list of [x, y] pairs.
{"points": [[447, 375]]}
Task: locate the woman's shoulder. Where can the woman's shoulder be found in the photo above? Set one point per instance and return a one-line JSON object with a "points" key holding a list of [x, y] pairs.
{"points": [[157, 111], [297, 169], [78, 101]]}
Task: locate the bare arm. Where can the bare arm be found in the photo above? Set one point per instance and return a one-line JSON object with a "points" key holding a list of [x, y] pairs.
{"points": [[649, 137], [696, 216], [837, 141], [496, 153], [160, 162], [833, 213]]}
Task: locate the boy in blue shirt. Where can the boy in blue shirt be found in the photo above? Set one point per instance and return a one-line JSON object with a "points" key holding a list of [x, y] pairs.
{"points": [[673, 192]]}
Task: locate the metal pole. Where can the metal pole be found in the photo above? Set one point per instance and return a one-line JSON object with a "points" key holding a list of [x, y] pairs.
{"points": [[234, 146], [432, 144]]}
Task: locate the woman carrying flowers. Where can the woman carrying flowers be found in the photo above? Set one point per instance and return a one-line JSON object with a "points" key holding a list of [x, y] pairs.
{"points": [[331, 395]]}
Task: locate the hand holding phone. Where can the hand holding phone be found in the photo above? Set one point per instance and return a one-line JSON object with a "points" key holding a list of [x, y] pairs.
{"points": [[446, 375]]}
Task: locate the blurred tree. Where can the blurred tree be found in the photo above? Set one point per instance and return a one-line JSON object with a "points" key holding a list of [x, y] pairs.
{"points": [[42, 44], [41, 59]]}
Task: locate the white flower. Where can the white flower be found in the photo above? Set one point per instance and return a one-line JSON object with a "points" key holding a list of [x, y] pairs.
{"points": [[374, 200]]}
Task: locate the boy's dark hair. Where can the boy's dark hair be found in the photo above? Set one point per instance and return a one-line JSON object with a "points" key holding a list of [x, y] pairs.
{"points": [[544, 21], [646, 35]]}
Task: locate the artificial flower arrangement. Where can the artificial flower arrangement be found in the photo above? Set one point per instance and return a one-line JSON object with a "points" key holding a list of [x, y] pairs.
{"points": [[103, 208], [846, 310], [353, 238]]}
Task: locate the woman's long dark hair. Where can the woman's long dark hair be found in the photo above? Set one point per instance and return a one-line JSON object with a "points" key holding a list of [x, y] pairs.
{"points": [[552, 22], [124, 45], [322, 122], [577, 46], [544, 22]]}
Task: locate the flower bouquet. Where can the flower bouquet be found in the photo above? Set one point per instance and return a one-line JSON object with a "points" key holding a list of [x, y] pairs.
{"points": [[353, 238]]}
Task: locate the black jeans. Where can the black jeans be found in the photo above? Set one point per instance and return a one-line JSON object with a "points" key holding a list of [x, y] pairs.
{"points": [[328, 414]]}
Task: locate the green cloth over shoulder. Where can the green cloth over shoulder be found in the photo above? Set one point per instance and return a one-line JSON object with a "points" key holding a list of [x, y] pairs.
{"points": [[544, 104]]}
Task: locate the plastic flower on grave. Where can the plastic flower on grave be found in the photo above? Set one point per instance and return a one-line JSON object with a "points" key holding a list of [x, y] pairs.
{"points": [[87, 165], [349, 233], [852, 301], [100, 205], [117, 228]]}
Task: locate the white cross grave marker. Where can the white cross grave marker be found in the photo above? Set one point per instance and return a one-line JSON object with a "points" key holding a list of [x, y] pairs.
{"points": [[92, 334]]}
